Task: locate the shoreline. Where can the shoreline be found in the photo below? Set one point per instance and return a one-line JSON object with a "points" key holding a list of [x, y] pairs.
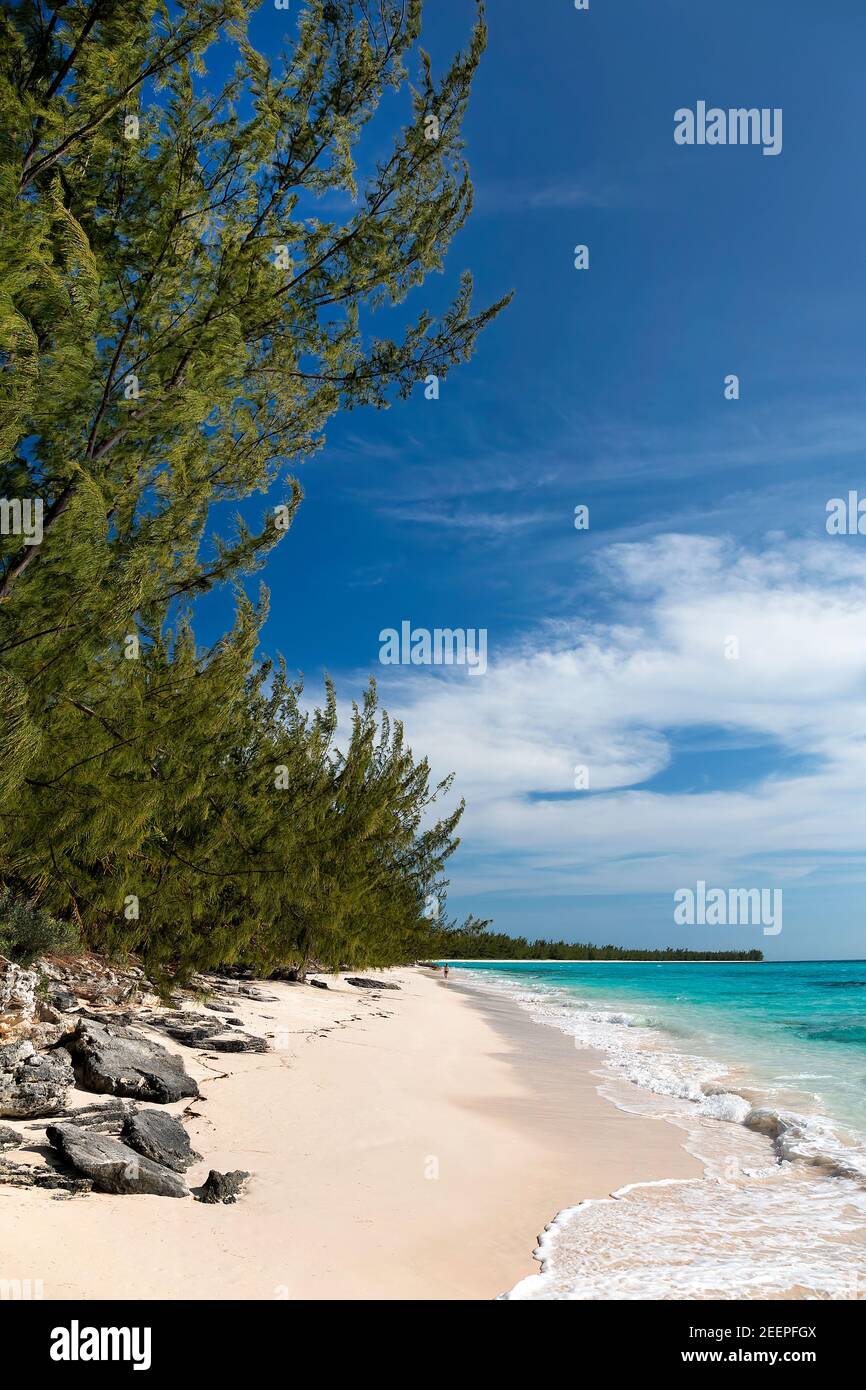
{"points": [[404, 1144], [778, 1209]]}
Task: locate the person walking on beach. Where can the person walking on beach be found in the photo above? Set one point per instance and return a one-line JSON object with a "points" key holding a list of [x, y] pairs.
{"points": [[445, 971]]}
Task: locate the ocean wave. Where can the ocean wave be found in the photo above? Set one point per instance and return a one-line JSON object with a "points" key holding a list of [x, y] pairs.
{"points": [[636, 1052], [698, 1240], [790, 1223]]}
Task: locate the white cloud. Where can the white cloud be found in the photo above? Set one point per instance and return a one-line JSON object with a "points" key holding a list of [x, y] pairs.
{"points": [[514, 196], [610, 695]]}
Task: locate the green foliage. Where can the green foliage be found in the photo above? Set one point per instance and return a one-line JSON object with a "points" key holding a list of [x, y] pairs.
{"points": [[28, 931], [472, 941], [199, 258], [202, 816], [188, 277]]}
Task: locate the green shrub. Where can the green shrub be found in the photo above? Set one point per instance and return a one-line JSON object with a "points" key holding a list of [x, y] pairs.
{"points": [[28, 931]]}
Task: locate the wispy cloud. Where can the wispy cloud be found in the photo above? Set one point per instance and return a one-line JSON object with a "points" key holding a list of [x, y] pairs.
{"points": [[516, 196], [480, 522], [611, 695]]}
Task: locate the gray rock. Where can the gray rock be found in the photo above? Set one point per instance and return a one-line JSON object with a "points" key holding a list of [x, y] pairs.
{"points": [[361, 983], [765, 1122], [10, 1138], [197, 1030], [108, 1117], [46, 1013], [28, 1175], [116, 1061], [32, 1083], [62, 998], [111, 1166], [238, 1042], [17, 987], [91, 978], [222, 1187], [17, 998], [318, 984], [112, 1018], [160, 1137], [192, 1033]]}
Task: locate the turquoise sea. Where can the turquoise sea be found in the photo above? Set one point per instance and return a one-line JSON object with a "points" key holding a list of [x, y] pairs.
{"points": [[763, 1068]]}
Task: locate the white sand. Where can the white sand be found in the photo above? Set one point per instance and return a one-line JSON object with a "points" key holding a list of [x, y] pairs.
{"points": [[414, 1150]]}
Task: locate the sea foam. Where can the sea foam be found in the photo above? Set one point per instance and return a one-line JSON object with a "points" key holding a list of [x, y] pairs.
{"points": [[780, 1212]]}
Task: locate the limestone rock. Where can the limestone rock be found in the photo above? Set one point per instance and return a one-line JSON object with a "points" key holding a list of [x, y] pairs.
{"points": [[238, 1042], [116, 1061], [32, 1083], [28, 1175], [360, 982], [10, 1138], [17, 999], [90, 978], [61, 998], [108, 1117], [197, 1030], [222, 1187], [160, 1137], [111, 1166]]}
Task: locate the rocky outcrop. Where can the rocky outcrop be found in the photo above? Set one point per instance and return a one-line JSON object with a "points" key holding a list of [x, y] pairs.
{"points": [[32, 1083], [92, 980], [117, 1061], [160, 1137], [17, 1000], [238, 1042], [28, 1175], [112, 1166], [10, 1138], [197, 1030], [360, 982], [108, 1118], [222, 1187], [61, 998], [253, 992], [190, 1028]]}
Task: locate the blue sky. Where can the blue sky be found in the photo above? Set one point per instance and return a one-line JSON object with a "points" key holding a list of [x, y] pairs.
{"points": [[606, 647]]}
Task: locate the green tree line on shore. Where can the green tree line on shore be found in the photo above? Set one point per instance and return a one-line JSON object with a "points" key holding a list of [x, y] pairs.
{"points": [[473, 941], [181, 313]]}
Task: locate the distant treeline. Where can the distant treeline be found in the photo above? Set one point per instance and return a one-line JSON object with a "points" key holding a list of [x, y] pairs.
{"points": [[475, 942]]}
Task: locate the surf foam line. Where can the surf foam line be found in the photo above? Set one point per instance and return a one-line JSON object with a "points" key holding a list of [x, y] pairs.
{"points": [[544, 1250], [697, 1239], [631, 1044], [786, 1226]]}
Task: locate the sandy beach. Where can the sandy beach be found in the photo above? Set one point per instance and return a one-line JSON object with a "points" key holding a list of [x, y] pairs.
{"points": [[404, 1144]]}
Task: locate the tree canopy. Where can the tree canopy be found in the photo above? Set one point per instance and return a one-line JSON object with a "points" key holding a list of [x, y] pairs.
{"points": [[195, 248]]}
